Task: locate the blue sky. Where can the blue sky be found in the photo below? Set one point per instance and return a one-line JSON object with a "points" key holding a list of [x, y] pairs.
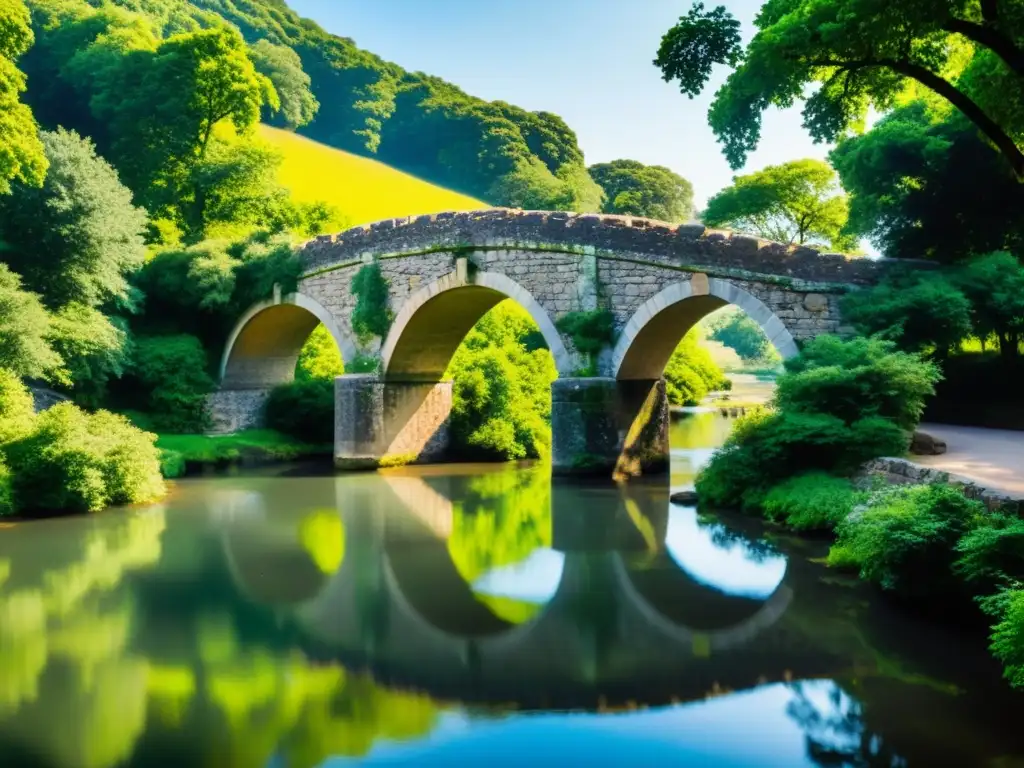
{"points": [[586, 60]]}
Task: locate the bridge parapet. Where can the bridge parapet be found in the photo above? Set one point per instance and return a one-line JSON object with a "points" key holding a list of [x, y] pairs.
{"points": [[680, 246]]}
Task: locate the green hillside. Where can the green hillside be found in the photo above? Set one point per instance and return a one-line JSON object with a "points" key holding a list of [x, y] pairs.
{"points": [[363, 189]]}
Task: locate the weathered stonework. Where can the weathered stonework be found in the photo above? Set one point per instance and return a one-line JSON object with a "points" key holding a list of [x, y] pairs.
{"points": [[610, 428], [445, 271], [904, 472], [377, 423], [234, 410]]}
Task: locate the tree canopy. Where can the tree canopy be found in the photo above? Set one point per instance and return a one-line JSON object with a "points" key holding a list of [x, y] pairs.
{"points": [[859, 53], [923, 185], [283, 67], [21, 154], [635, 189], [796, 202]]}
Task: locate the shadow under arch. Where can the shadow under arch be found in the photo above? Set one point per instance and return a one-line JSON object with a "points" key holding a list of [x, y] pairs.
{"points": [[653, 332], [433, 322], [265, 343]]}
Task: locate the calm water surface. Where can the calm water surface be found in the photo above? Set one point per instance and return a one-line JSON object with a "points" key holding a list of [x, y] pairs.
{"points": [[468, 615]]}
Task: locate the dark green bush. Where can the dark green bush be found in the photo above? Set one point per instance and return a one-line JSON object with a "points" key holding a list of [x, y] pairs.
{"points": [[812, 502], [372, 315], [1007, 606], [921, 313], [74, 461], [992, 555], [855, 379], [590, 331], [768, 447], [303, 409], [167, 379], [905, 540], [6, 492]]}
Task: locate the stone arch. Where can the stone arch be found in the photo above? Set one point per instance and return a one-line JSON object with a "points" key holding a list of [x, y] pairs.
{"points": [[433, 322], [264, 345], [654, 330]]}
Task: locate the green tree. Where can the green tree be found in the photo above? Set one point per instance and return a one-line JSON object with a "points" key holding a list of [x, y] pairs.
{"points": [[921, 313], [860, 52], [928, 186], [691, 373], [283, 67], [502, 400], [24, 330], [738, 331], [78, 236], [635, 189], [21, 154], [796, 202], [995, 286]]}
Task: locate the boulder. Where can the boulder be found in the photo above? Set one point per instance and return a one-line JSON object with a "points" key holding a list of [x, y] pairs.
{"points": [[687, 498], [924, 444]]}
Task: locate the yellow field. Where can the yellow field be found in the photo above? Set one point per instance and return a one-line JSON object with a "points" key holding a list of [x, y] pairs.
{"points": [[363, 190]]}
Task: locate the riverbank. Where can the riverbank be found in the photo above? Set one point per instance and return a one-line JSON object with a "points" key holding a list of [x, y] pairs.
{"points": [[183, 455]]}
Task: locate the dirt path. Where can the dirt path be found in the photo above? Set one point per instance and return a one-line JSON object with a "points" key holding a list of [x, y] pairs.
{"points": [[992, 457]]}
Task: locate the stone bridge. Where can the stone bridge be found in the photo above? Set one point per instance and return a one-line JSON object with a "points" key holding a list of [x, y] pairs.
{"points": [[445, 271]]}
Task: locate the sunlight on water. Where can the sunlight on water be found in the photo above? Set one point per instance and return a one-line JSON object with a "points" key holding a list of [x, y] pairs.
{"points": [[465, 616], [732, 567]]}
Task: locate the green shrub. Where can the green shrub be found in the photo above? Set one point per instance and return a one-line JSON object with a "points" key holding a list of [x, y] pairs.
{"points": [[590, 331], [303, 409], [6, 492], [172, 464], [905, 539], [167, 379], [16, 411], [992, 554], [691, 372], [1007, 637], [372, 314], [79, 462], [501, 406], [768, 447], [811, 502], [921, 313], [855, 379]]}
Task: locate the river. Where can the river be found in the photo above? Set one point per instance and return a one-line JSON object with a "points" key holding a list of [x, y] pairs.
{"points": [[467, 615]]}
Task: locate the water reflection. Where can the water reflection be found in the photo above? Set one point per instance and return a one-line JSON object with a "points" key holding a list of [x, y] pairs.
{"points": [[454, 614]]}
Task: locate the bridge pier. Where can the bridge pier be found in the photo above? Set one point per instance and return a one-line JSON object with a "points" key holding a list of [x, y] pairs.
{"points": [[609, 427], [379, 422]]}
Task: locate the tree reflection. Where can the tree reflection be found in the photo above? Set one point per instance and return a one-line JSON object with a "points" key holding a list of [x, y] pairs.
{"points": [[834, 729], [502, 519], [70, 689]]}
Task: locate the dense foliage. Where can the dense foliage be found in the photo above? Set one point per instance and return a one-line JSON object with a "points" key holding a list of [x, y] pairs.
{"points": [[860, 53], [811, 502], [737, 330], [591, 331], [924, 184], [691, 373], [372, 315], [303, 409], [21, 154], [167, 378], [73, 461], [502, 400], [796, 202], [635, 189], [906, 540], [839, 404]]}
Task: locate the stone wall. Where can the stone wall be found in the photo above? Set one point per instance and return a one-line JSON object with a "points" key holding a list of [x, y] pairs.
{"points": [[904, 472], [234, 410], [44, 398], [680, 246]]}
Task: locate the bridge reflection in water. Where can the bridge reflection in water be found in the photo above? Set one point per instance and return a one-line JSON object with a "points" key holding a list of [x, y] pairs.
{"points": [[535, 593]]}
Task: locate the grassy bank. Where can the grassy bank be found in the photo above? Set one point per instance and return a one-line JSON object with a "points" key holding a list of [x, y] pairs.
{"points": [[364, 190], [185, 454]]}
